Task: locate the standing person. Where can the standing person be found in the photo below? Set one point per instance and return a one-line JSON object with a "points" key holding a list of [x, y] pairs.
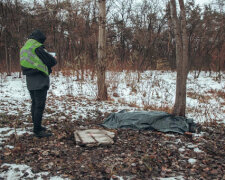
{"points": [[36, 64]]}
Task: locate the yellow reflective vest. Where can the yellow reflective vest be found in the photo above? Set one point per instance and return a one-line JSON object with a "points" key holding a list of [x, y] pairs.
{"points": [[28, 57]]}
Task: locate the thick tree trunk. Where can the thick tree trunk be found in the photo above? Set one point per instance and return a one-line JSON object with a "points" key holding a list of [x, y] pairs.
{"points": [[181, 58], [101, 65]]}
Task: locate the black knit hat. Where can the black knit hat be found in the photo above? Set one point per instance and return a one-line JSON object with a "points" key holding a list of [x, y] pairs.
{"points": [[38, 35]]}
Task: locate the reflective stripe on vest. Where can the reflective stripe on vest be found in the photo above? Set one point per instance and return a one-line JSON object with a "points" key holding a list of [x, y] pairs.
{"points": [[29, 53], [29, 59]]}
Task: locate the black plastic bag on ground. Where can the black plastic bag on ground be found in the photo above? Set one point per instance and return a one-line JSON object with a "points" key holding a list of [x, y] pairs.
{"points": [[149, 120]]}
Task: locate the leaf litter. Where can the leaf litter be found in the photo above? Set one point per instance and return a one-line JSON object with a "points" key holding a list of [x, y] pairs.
{"points": [[134, 154]]}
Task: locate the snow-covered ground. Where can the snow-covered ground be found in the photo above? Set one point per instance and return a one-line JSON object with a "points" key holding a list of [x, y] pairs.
{"points": [[154, 91]]}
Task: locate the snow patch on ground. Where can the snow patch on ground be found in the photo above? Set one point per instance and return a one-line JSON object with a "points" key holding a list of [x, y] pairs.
{"points": [[181, 149], [22, 171], [173, 178], [192, 161]]}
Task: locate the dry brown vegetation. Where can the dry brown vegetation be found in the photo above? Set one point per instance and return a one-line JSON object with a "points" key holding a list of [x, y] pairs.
{"points": [[134, 41]]}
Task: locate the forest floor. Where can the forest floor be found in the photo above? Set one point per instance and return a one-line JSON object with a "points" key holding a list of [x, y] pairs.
{"points": [[71, 105]]}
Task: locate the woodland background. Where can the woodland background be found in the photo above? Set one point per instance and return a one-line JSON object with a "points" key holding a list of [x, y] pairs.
{"points": [[139, 34]]}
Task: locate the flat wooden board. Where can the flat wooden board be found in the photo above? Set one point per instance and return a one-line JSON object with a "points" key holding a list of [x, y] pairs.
{"points": [[94, 137]]}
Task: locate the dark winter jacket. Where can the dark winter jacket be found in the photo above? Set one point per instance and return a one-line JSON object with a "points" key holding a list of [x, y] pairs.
{"points": [[36, 79]]}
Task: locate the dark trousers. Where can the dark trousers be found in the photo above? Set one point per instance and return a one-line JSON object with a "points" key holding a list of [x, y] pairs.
{"points": [[38, 98]]}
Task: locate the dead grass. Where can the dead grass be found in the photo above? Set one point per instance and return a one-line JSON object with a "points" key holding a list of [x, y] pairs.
{"points": [[217, 93], [221, 94], [131, 104], [200, 97], [115, 95], [155, 108], [134, 89], [194, 110]]}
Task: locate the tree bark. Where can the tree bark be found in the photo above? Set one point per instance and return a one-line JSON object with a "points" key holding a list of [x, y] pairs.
{"points": [[101, 64], [181, 57], [7, 58]]}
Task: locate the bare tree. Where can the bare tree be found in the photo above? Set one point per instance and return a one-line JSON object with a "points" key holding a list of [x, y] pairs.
{"points": [[101, 65], [137, 37], [181, 57]]}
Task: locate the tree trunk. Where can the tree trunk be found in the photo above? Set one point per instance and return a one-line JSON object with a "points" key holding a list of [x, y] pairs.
{"points": [[10, 62], [181, 57], [101, 65], [7, 58]]}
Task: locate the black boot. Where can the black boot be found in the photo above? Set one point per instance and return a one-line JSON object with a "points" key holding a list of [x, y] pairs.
{"points": [[41, 134], [43, 128]]}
